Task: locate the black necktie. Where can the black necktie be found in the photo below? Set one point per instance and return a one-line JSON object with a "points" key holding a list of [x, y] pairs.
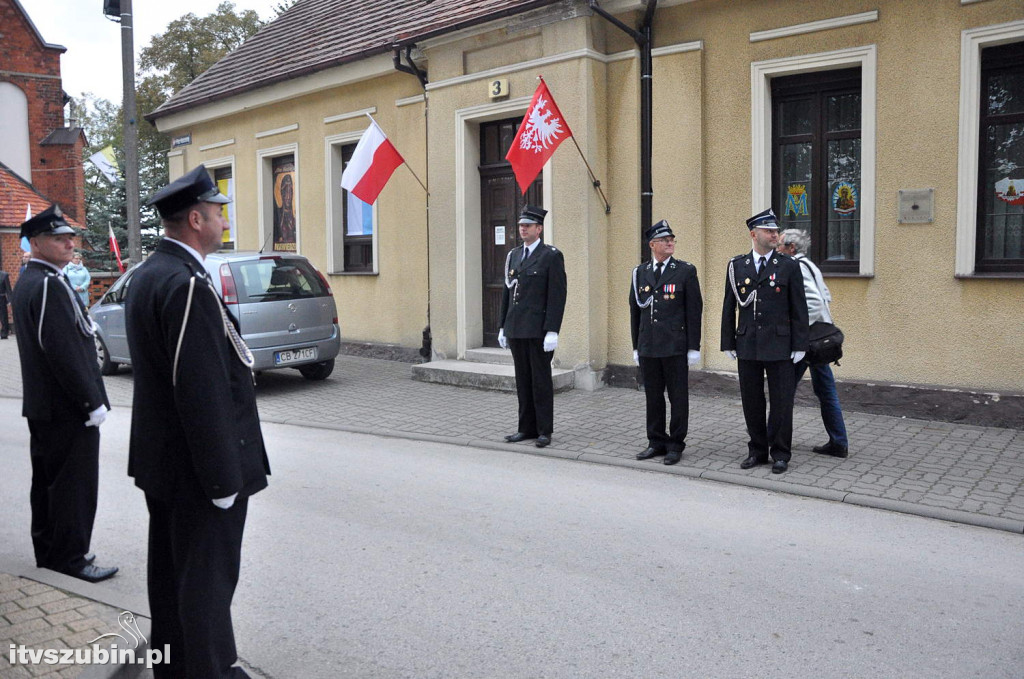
{"points": [[657, 271], [760, 263]]}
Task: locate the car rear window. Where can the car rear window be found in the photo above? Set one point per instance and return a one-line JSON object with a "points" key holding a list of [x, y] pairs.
{"points": [[273, 279]]}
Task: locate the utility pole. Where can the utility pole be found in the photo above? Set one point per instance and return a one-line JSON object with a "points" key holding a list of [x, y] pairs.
{"points": [[122, 10]]}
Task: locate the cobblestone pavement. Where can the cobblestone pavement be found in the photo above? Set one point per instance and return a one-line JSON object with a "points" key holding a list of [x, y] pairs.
{"points": [[39, 617], [953, 471]]}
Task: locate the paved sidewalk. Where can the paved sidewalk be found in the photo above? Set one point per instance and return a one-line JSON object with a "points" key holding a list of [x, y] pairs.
{"points": [[957, 472]]}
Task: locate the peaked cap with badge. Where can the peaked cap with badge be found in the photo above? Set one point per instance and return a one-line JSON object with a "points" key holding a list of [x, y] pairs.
{"points": [[196, 186], [763, 220], [532, 214], [48, 222], [659, 230]]}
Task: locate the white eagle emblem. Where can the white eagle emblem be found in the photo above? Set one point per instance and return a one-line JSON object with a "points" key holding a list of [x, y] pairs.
{"points": [[541, 131]]}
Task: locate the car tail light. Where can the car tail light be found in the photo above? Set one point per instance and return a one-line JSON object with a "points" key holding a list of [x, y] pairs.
{"points": [[227, 285], [324, 281]]}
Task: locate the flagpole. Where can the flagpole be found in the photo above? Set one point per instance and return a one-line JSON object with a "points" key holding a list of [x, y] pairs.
{"points": [[593, 178], [404, 161]]}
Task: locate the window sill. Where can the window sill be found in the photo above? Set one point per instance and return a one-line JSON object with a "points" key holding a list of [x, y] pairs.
{"points": [[353, 273], [1014, 275], [844, 274]]}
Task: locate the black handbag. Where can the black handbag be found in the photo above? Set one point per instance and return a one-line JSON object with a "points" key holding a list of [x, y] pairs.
{"points": [[824, 343]]}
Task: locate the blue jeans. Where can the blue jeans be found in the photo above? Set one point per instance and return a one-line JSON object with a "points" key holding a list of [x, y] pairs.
{"points": [[824, 384]]}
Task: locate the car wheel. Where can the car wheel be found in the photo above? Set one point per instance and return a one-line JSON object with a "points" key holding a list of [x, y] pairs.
{"points": [[107, 367], [317, 371]]}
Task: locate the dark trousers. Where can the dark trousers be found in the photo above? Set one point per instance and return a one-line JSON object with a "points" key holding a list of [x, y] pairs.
{"points": [[194, 556], [533, 386], [5, 321], [65, 483], [660, 374], [776, 438]]}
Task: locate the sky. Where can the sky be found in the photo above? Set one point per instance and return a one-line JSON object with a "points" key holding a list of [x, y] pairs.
{"points": [[92, 62]]}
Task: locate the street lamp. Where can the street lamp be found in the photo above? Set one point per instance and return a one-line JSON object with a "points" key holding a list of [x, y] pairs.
{"points": [[121, 10]]}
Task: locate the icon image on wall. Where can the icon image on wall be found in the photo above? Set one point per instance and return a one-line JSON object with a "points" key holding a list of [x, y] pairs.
{"points": [[1010, 191], [844, 198]]}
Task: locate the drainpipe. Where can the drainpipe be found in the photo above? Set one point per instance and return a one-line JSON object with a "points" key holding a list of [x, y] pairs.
{"points": [[644, 39], [426, 348]]}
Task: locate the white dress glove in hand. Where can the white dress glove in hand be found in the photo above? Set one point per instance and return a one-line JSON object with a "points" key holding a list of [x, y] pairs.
{"points": [[692, 357], [550, 341], [97, 416], [636, 357], [730, 353], [502, 342], [225, 502], [798, 356]]}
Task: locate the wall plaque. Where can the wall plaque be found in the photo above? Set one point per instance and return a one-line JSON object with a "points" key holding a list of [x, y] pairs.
{"points": [[916, 206]]}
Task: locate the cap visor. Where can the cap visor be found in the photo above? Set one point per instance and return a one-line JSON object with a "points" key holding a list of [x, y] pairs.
{"points": [[214, 196]]}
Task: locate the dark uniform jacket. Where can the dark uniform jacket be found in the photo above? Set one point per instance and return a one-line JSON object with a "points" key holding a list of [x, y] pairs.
{"points": [[534, 305], [59, 373], [775, 324], [5, 287], [195, 428], [670, 325]]}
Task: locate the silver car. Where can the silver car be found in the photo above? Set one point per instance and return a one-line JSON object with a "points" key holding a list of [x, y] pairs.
{"points": [[284, 306]]}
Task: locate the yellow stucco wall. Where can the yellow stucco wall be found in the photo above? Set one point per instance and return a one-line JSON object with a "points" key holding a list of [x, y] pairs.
{"points": [[389, 307], [912, 321]]}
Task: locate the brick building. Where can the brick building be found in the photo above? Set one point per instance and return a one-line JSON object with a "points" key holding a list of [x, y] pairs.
{"points": [[40, 158]]}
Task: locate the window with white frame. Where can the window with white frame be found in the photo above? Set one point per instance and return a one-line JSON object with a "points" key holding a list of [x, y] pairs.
{"points": [[352, 223]]}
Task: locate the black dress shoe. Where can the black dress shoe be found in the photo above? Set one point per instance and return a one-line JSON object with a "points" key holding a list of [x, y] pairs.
{"points": [[779, 466], [832, 448], [649, 453], [92, 573], [517, 437], [542, 441], [673, 456], [90, 557], [752, 462]]}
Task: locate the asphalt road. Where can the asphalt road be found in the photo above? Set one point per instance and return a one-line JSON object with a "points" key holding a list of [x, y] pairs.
{"points": [[372, 557]]}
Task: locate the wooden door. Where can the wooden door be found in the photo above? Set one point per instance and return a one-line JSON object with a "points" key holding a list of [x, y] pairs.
{"points": [[500, 205]]}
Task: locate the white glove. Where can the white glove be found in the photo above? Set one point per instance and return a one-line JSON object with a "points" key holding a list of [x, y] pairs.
{"points": [[550, 341], [730, 353], [225, 502], [97, 416], [692, 357], [798, 356], [636, 357], [502, 342]]}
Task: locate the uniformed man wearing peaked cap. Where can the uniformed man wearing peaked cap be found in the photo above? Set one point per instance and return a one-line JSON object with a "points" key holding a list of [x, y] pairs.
{"points": [[532, 304], [770, 336], [196, 446], [665, 307], [64, 401]]}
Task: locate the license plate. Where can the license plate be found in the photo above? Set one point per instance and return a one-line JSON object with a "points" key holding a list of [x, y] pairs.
{"points": [[295, 355]]}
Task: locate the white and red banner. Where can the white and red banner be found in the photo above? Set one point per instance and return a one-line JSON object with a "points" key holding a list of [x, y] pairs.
{"points": [[115, 248], [373, 162], [542, 130]]}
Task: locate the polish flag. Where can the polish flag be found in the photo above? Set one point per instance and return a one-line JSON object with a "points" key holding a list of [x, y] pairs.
{"points": [[372, 164], [115, 248], [542, 130]]}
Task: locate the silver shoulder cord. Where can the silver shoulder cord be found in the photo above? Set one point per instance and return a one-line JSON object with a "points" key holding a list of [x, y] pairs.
{"points": [[732, 281], [509, 283], [246, 359], [636, 293], [85, 324]]}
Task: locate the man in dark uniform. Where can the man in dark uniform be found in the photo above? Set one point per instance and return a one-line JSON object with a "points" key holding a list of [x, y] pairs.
{"points": [[665, 308], [5, 296], [532, 304], [770, 337], [196, 445], [64, 401]]}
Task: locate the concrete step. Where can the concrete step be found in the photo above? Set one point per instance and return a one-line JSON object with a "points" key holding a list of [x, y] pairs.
{"points": [[489, 355], [482, 375]]}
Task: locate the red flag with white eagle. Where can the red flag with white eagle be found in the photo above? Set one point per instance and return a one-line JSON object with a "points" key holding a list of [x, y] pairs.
{"points": [[542, 130], [115, 248]]}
